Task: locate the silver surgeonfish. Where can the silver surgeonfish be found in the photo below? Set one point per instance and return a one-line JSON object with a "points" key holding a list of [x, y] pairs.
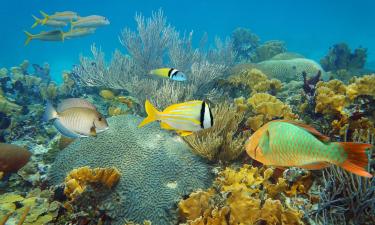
{"points": [[170, 73], [184, 118], [75, 118]]}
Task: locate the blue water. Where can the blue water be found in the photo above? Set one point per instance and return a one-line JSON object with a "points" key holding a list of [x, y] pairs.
{"points": [[308, 27]]}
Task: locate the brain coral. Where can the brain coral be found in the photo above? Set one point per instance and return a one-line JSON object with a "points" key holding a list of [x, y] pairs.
{"points": [[156, 169], [289, 69]]}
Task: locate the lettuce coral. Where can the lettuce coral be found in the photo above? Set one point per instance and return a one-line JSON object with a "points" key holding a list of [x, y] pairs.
{"points": [[361, 86], [245, 196], [330, 97], [156, 167]]}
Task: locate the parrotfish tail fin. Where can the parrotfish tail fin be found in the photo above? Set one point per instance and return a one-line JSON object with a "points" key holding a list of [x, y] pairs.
{"points": [[152, 113], [29, 37], [50, 112], [37, 21], [46, 17], [357, 158]]}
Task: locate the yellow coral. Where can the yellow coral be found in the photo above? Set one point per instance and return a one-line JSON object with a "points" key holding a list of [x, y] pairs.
{"points": [[77, 180], [250, 198], [115, 111], [255, 80], [361, 86], [330, 97], [68, 83]]}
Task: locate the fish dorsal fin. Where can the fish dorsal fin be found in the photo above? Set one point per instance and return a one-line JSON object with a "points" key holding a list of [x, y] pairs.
{"points": [[309, 129], [74, 103]]}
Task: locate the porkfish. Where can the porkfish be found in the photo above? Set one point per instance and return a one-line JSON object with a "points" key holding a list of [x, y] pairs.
{"points": [[75, 118], [184, 118], [170, 73], [287, 143]]}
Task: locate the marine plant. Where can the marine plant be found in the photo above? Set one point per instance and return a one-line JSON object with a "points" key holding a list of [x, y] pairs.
{"points": [[224, 141], [340, 57], [244, 196]]}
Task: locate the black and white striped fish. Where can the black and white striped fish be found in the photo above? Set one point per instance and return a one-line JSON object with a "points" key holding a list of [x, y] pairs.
{"points": [[170, 73], [184, 118]]}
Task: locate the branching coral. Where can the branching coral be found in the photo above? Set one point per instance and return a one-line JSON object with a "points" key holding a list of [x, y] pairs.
{"points": [[224, 141], [77, 180], [244, 197], [8, 107]]}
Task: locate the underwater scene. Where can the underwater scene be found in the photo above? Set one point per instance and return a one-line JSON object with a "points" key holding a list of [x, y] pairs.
{"points": [[187, 112]]}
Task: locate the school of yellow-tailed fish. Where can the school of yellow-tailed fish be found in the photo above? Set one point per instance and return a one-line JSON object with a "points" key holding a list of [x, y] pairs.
{"points": [[79, 26]]}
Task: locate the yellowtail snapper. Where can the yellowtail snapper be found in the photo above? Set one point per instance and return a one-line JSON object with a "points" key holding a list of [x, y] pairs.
{"points": [[54, 35], [50, 23]]}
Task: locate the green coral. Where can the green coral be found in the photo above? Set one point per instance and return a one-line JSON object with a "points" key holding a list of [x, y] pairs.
{"points": [[157, 169], [268, 50]]}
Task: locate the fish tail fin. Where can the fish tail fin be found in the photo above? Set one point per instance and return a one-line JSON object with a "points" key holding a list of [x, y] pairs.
{"points": [[152, 114], [50, 112], [357, 158], [37, 21], [46, 17], [29, 37]]}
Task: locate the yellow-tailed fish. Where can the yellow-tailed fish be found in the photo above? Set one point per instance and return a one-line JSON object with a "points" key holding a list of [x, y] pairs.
{"points": [[287, 143], [54, 35], [75, 118], [51, 23], [170, 73], [184, 118], [66, 16], [90, 22], [80, 32]]}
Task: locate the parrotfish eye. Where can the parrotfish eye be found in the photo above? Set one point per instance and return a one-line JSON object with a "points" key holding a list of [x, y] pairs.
{"points": [[100, 118]]}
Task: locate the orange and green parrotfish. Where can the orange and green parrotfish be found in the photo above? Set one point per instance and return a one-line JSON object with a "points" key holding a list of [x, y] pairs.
{"points": [[184, 118], [288, 143]]}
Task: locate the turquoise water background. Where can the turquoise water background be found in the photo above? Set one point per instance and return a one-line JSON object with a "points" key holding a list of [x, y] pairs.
{"points": [[307, 27]]}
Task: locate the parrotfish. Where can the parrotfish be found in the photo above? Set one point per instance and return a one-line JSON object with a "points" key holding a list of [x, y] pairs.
{"points": [[90, 22], [170, 73], [50, 23], [75, 118], [12, 157], [184, 118], [54, 35], [287, 143]]}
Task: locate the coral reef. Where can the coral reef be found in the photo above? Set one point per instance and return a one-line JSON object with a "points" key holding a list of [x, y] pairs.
{"points": [[361, 86], [268, 50], [245, 196], [256, 81], [34, 208], [287, 55], [224, 141], [244, 43], [290, 69], [331, 97], [77, 179], [154, 173], [340, 57]]}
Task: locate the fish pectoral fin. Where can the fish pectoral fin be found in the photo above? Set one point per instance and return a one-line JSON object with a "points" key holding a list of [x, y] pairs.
{"points": [[315, 166], [184, 133], [166, 126], [93, 131]]}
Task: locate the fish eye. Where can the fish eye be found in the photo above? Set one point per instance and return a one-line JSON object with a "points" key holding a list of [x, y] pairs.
{"points": [[100, 118]]}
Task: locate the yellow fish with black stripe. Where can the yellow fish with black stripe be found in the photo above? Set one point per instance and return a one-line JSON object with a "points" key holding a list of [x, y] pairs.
{"points": [[184, 118], [170, 73]]}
